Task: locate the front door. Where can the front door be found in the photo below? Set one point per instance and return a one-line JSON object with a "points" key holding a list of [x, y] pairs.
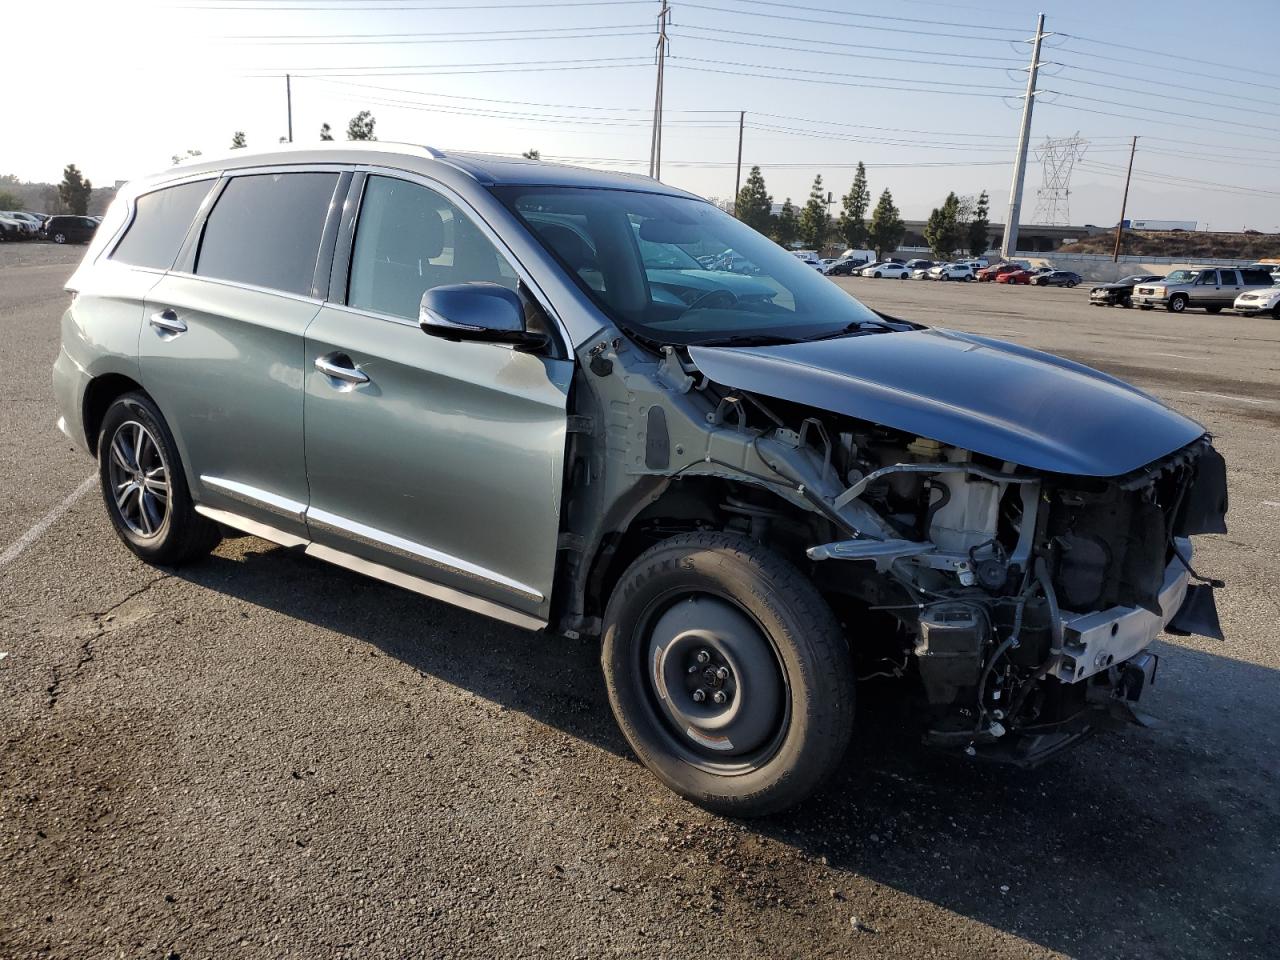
{"points": [[440, 460]]}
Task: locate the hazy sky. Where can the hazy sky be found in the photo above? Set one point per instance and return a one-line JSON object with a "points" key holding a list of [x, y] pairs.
{"points": [[923, 92]]}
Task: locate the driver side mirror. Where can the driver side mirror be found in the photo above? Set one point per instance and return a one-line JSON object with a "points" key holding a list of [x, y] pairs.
{"points": [[477, 313]]}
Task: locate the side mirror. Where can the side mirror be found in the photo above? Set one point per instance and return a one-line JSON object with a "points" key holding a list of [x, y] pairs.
{"points": [[477, 313]]}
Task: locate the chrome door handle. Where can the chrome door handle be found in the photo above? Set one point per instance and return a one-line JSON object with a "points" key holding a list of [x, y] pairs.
{"points": [[330, 367], [168, 322]]}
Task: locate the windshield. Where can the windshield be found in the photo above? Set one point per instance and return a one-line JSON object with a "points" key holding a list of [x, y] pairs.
{"points": [[1182, 276], [681, 271]]}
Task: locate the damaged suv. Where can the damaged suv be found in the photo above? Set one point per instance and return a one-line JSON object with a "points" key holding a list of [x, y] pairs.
{"points": [[519, 388]]}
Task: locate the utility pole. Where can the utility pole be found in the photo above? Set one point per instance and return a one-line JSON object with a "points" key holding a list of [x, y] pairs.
{"points": [[288, 100], [655, 142], [1115, 254], [1010, 244], [737, 178]]}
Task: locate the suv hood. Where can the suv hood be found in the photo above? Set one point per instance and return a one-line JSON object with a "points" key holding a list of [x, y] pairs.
{"points": [[985, 395]]}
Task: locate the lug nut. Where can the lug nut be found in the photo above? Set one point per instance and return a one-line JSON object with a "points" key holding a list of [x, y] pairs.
{"points": [[719, 696], [722, 673], [703, 656], [699, 695]]}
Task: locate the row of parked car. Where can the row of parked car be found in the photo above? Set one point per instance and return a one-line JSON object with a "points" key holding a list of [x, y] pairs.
{"points": [[1249, 290], [972, 269], [69, 228]]}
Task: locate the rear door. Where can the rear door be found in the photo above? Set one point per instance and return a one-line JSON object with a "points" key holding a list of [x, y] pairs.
{"points": [[221, 347], [439, 460], [1229, 287]]}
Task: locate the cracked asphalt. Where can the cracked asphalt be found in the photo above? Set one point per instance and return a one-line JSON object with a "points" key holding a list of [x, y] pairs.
{"points": [[262, 756]]}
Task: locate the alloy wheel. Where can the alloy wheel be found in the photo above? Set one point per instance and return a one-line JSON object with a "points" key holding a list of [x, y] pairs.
{"points": [[139, 480]]}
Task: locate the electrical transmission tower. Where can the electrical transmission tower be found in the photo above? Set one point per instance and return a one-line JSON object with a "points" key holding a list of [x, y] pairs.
{"points": [[1057, 159]]}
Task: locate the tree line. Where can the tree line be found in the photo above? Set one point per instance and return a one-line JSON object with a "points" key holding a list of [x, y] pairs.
{"points": [[960, 222]]}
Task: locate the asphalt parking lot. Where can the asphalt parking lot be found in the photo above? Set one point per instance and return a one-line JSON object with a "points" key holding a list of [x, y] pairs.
{"points": [[263, 756]]}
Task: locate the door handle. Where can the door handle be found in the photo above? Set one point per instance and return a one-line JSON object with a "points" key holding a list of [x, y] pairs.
{"points": [[166, 321], [340, 367]]}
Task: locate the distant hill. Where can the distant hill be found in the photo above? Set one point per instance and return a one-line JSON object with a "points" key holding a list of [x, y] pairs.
{"points": [[1184, 245], [43, 197]]}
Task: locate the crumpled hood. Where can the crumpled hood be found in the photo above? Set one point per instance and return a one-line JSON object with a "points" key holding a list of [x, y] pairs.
{"points": [[985, 395]]}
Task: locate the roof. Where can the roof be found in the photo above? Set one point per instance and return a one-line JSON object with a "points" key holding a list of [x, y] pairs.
{"points": [[486, 169]]}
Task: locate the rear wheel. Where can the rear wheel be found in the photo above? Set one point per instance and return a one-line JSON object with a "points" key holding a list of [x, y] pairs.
{"points": [[727, 673], [144, 487], [1127, 302], [1178, 303], [1213, 310]]}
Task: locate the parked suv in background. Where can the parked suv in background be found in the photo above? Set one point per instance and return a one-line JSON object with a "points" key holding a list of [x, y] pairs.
{"points": [[511, 386], [70, 229], [1207, 288]]}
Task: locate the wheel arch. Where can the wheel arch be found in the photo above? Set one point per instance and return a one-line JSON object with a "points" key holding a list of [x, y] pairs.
{"points": [[695, 502], [101, 392]]}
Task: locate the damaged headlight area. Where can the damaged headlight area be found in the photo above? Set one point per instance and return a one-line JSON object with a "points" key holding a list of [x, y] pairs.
{"points": [[1025, 600]]}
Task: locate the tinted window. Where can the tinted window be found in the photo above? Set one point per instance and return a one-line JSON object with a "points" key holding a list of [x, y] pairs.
{"points": [[1256, 277], [160, 225], [265, 230], [1228, 278], [410, 239]]}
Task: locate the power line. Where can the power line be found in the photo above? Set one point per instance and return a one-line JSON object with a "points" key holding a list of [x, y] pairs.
{"points": [[346, 6], [609, 34], [856, 46], [841, 53], [1182, 57], [682, 63], [878, 17], [916, 32], [434, 33]]}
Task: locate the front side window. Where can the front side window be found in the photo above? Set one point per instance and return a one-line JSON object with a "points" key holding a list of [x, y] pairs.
{"points": [[677, 270], [265, 230], [409, 239], [160, 224]]}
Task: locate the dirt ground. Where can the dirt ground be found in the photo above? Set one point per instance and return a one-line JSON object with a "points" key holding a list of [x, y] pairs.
{"points": [[263, 756]]}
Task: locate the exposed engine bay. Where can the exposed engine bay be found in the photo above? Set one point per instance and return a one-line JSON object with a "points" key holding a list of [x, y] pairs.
{"points": [[1020, 599]]}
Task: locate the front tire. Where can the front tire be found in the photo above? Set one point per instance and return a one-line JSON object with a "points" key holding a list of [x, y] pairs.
{"points": [[727, 673], [1178, 303], [144, 487], [59, 238]]}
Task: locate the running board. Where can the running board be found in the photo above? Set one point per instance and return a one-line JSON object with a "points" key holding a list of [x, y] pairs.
{"points": [[377, 571]]}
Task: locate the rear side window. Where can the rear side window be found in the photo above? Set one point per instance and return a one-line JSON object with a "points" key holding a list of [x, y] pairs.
{"points": [[160, 225], [1228, 278], [265, 230], [1257, 277]]}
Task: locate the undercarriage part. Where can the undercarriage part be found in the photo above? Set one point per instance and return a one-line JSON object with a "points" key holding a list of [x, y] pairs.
{"points": [[949, 651]]}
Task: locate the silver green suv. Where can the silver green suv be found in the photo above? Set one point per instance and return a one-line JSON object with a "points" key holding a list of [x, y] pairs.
{"points": [[598, 405]]}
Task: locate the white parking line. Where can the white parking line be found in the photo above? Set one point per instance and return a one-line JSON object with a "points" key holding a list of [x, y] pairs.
{"points": [[14, 550], [1226, 396]]}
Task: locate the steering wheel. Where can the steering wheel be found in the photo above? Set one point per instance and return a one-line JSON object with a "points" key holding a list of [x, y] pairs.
{"points": [[720, 297]]}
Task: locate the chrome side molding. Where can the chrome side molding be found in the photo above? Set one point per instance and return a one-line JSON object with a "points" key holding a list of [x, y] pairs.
{"points": [[257, 497], [377, 571]]}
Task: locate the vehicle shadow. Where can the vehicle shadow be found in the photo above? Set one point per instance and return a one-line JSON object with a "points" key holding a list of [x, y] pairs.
{"points": [[1151, 843]]}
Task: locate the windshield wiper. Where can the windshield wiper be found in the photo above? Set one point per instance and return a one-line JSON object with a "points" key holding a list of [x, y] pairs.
{"points": [[745, 340], [858, 326]]}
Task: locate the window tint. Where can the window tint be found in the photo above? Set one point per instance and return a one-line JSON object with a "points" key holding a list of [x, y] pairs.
{"points": [[160, 225], [1256, 277], [265, 230], [1228, 278], [410, 239]]}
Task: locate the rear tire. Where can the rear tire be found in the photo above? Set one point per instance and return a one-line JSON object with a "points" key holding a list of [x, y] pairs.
{"points": [[1213, 310], [144, 487], [715, 601]]}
